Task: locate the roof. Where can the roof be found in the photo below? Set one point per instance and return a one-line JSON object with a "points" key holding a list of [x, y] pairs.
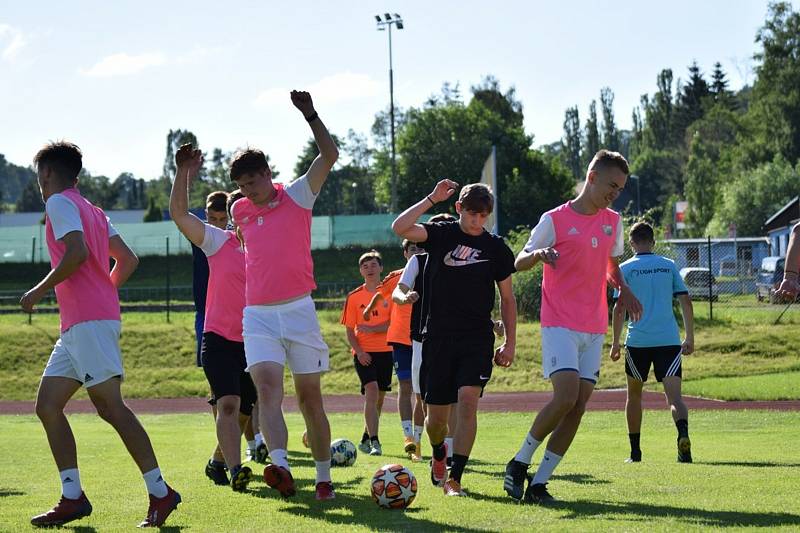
{"points": [[731, 240], [782, 210]]}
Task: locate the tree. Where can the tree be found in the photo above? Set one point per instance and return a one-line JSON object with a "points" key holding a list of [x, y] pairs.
{"points": [[660, 175], [691, 100], [153, 213], [591, 138], [610, 133], [176, 138], [571, 142], [719, 88], [30, 199], [658, 132]]}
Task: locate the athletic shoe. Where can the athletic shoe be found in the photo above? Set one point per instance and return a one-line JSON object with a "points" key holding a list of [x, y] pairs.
{"points": [[262, 453], [240, 477], [325, 491], [375, 448], [65, 511], [636, 457], [416, 455], [160, 508], [450, 462], [453, 488], [365, 446], [537, 493], [684, 450], [514, 481], [250, 454], [279, 479], [217, 473], [409, 446], [439, 470]]}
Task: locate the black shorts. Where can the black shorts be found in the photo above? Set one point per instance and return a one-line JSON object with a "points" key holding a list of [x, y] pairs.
{"points": [[224, 365], [380, 370], [667, 361], [450, 362]]}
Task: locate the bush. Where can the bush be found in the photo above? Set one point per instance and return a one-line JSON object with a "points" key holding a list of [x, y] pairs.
{"points": [[528, 284]]}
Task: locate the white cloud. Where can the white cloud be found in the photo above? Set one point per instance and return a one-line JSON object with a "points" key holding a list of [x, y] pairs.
{"points": [[12, 41], [124, 64], [334, 89]]}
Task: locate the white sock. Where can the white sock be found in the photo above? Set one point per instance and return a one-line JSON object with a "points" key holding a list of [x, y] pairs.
{"points": [[279, 458], [155, 483], [259, 439], [525, 453], [546, 467], [70, 483], [449, 442], [323, 470], [252, 445], [418, 433], [408, 430]]}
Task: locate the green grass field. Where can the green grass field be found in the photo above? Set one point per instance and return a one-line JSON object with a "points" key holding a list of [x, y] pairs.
{"points": [[159, 357], [742, 477]]}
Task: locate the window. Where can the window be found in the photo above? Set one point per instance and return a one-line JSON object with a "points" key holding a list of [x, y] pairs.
{"points": [[692, 256]]}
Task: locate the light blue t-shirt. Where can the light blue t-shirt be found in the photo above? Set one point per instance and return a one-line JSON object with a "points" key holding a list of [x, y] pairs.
{"points": [[655, 281]]}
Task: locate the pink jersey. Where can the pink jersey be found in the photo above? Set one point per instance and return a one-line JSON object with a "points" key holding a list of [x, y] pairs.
{"points": [[277, 239], [226, 283], [574, 292], [89, 293]]}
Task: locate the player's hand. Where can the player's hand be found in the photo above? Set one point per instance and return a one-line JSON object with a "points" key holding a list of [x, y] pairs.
{"points": [[788, 290], [30, 299], [443, 191], [411, 297], [504, 355], [547, 255], [687, 348], [364, 358], [189, 160], [630, 303], [302, 101], [499, 328], [615, 351]]}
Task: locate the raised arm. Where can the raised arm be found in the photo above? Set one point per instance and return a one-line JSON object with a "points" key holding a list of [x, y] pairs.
{"points": [[125, 261], [626, 297], [328, 151], [188, 162], [406, 225], [74, 256]]}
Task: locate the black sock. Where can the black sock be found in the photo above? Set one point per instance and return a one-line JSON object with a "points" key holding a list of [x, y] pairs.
{"points": [[439, 451], [365, 437], [683, 427], [635, 451], [374, 439], [217, 464], [459, 462]]}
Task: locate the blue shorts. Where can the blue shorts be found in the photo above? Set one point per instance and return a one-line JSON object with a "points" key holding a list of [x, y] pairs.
{"points": [[401, 355]]}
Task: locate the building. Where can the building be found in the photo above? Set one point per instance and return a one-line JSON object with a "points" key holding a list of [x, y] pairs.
{"points": [[779, 225]]}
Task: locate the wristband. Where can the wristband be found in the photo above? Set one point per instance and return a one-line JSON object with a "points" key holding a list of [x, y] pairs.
{"points": [[430, 200], [314, 116]]}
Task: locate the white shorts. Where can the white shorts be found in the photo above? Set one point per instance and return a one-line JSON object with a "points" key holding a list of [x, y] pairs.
{"points": [[87, 352], [285, 332], [566, 349], [416, 364]]}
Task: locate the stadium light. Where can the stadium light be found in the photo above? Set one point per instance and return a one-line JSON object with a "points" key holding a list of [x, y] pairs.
{"points": [[383, 25]]}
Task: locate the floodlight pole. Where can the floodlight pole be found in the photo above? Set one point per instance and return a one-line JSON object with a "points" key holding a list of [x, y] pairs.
{"points": [[388, 22]]}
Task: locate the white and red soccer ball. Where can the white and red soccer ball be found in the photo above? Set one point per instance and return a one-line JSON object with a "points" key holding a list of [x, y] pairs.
{"points": [[394, 487]]}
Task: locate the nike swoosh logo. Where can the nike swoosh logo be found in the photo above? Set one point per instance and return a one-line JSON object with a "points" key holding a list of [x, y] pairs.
{"points": [[449, 260], [485, 377]]}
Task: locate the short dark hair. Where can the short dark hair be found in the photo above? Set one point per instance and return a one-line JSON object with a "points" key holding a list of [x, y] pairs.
{"points": [[232, 197], [248, 161], [605, 159], [216, 201], [406, 244], [476, 197], [442, 217], [62, 157], [368, 256], [642, 232]]}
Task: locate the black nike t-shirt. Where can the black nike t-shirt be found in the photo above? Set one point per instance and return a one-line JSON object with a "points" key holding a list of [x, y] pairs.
{"points": [[461, 273]]}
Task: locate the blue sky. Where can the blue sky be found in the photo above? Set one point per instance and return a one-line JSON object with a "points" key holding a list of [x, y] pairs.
{"points": [[114, 77]]}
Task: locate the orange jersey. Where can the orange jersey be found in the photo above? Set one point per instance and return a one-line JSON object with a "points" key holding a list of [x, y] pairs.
{"points": [[400, 321], [352, 317]]}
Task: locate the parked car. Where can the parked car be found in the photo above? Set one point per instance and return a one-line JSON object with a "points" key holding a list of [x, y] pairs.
{"points": [[769, 278], [697, 280], [728, 266]]}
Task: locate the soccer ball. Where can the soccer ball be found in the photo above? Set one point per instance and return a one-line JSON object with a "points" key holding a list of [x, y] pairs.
{"points": [[343, 453], [305, 439], [394, 487]]}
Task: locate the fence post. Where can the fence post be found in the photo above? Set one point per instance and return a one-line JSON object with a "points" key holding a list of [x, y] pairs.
{"points": [[168, 280], [33, 268], [710, 283]]}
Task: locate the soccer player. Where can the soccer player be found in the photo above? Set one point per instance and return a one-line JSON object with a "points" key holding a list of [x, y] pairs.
{"points": [[654, 338], [578, 242], [81, 240], [789, 287], [372, 356], [222, 352], [465, 263], [280, 321]]}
